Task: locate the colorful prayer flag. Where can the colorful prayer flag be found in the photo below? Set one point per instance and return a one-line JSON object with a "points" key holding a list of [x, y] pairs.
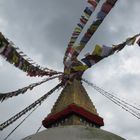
{"points": [[106, 7], [106, 51], [86, 61], [101, 15], [88, 11], [131, 41], [80, 68], [97, 50], [93, 3]]}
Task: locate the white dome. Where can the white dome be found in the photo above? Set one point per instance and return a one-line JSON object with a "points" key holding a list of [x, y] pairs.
{"points": [[74, 132]]}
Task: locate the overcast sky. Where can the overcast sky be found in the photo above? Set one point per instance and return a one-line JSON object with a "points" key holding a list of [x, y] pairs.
{"points": [[42, 29]]}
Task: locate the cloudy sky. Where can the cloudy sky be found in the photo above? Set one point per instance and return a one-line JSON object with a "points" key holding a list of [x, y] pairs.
{"points": [[41, 29]]}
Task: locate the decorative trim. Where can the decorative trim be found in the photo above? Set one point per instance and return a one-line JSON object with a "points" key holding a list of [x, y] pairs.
{"points": [[72, 109]]}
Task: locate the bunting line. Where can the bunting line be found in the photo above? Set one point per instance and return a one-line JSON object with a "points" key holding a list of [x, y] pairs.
{"points": [[104, 11], [124, 105], [20, 123], [101, 52], [83, 21], [10, 53], [27, 109], [5, 96]]}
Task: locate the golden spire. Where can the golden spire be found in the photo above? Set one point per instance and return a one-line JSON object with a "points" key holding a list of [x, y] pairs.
{"points": [[73, 107]]}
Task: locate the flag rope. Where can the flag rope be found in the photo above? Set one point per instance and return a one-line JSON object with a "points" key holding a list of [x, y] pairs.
{"points": [[27, 109]]}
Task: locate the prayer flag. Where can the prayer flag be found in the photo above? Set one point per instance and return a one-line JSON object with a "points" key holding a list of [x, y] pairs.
{"points": [[88, 11], [80, 68], [2, 49], [131, 41], [78, 48], [92, 2], [85, 39], [101, 15], [83, 21], [77, 29], [93, 27], [81, 25], [118, 47], [106, 51], [97, 50], [106, 7], [86, 61], [86, 16], [138, 42], [112, 2]]}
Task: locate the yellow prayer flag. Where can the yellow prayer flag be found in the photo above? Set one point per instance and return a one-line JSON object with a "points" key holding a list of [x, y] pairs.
{"points": [[77, 29], [97, 50], [78, 48], [73, 40], [67, 71], [15, 58], [86, 15], [80, 68], [93, 27]]}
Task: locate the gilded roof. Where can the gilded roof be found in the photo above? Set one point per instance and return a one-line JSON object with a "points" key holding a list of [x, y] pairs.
{"points": [[74, 93]]}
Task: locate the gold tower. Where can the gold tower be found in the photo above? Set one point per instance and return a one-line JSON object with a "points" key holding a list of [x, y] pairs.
{"points": [[73, 107]]}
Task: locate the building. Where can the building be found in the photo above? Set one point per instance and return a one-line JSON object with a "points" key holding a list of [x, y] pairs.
{"points": [[73, 117]]}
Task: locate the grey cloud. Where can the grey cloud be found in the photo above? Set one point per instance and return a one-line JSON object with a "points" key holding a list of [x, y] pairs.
{"points": [[43, 27]]}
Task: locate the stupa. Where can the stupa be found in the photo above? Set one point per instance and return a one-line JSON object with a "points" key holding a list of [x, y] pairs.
{"points": [[73, 117]]}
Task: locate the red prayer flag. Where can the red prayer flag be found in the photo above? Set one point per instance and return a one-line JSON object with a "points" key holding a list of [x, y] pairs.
{"points": [[106, 7], [93, 3], [83, 21], [112, 2]]}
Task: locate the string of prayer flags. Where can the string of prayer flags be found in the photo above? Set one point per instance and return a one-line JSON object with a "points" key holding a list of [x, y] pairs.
{"points": [[4, 96], [28, 108], [85, 16], [101, 52], [9, 52], [73, 51], [98, 54], [83, 20], [105, 9], [129, 41], [75, 70]]}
